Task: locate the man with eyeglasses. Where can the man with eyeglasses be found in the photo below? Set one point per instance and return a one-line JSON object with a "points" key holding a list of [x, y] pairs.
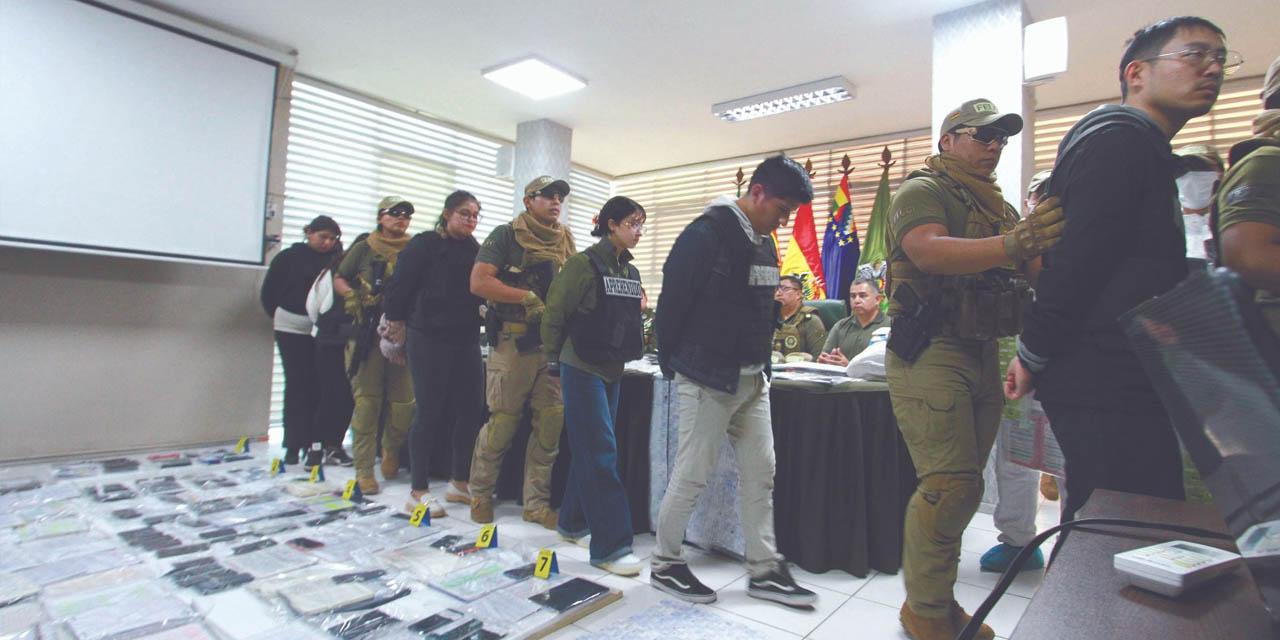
{"points": [[957, 258], [800, 329], [513, 271], [1115, 173]]}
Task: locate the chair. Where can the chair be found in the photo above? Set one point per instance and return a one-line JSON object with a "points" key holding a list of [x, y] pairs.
{"points": [[830, 311]]}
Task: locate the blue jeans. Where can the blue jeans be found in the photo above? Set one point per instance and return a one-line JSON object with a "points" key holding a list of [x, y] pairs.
{"points": [[594, 500]]}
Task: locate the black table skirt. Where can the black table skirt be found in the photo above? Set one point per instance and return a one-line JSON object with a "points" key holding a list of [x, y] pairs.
{"points": [[843, 480]]}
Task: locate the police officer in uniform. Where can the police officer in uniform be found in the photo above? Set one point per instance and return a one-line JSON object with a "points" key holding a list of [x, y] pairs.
{"points": [[800, 329], [957, 255], [513, 272]]}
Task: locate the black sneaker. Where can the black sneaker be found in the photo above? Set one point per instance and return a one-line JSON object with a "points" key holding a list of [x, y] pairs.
{"points": [[678, 581], [778, 586], [337, 456], [291, 455], [314, 458]]}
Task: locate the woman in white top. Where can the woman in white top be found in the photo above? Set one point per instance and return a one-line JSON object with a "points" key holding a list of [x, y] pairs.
{"points": [[284, 298]]}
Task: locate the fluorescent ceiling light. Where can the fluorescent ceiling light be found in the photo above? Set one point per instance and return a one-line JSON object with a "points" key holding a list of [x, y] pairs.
{"points": [[1044, 50], [534, 78], [803, 96]]}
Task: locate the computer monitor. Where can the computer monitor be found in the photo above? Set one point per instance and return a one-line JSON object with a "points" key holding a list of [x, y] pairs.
{"points": [[1216, 365]]}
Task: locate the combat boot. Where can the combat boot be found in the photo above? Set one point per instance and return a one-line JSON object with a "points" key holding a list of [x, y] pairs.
{"points": [[390, 463], [481, 509], [368, 484], [919, 627], [959, 619], [543, 516]]}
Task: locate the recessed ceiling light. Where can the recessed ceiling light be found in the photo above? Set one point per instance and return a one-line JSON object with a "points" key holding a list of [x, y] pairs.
{"points": [[534, 78], [812, 94]]}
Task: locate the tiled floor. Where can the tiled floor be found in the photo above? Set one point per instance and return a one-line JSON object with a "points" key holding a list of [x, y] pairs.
{"points": [[869, 605]]}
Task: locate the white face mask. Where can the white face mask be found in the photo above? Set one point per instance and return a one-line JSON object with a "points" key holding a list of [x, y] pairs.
{"points": [[1195, 189]]}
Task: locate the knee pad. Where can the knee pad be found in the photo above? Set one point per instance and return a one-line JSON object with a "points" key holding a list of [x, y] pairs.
{"points": [[548, 422], [502, 428], [948, 501], [402, 416], [364, 416]]}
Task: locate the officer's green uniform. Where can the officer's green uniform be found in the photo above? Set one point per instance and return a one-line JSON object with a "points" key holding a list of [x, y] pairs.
{"points": [[802, 332], [1250, 192], [646, 324], [948, 401], [851, 337], [513, 378], [377, 380]]}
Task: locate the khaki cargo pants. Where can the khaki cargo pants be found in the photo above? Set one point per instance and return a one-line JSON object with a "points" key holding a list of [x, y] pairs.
{"points": [[379, 386], [948, 405], [511, 379]]}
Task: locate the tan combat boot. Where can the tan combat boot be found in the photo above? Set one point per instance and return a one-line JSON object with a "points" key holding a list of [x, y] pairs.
{"points": [[482, 510], [1048, 487], [919, 627], [544, 516], [390, 463], [368, 484], [959, 619]]}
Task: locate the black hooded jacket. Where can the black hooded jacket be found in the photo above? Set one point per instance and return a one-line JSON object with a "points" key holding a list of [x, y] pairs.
{"points": [[289, 278]]}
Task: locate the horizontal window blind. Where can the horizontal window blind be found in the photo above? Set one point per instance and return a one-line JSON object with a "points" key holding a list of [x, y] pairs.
{"points": [[1226, 124], [674, 197], [588, 193]]}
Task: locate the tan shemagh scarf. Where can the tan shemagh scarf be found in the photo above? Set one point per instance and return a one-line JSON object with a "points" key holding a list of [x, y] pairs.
{"points": [[386, 247], [1267, 124], [542, 241], [979, 183]]}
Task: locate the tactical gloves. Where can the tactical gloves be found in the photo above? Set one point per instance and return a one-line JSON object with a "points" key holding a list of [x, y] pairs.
{"points": [[1034, 234], [533, 305]]}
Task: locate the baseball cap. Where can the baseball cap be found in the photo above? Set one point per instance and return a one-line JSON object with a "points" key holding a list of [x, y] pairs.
{"points": [[542, 183], [980, 112], [1200, 157], [1271, 85], [1038, 179], [391, 203]]}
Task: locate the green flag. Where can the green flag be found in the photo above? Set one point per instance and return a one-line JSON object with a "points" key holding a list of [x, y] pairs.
{"points": [[873, 251]]}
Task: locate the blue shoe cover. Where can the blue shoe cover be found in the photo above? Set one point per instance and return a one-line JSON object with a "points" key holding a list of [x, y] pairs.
{"points": [[999, 557]]}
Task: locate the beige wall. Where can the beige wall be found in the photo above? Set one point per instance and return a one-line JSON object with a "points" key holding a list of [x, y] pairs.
{"points": [[101, 353]]}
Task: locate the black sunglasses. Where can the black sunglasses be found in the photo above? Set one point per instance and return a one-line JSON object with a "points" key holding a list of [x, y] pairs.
{"points": [[984, 135], [401, 210]]}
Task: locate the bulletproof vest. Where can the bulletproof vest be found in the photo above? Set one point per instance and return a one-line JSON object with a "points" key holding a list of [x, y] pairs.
{"points": [[978, 306], [611, 332], [734, 319], [787, 338], [535, 277]]}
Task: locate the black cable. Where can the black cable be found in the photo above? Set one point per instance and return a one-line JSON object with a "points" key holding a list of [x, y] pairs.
{"points": [[1015, 566]]}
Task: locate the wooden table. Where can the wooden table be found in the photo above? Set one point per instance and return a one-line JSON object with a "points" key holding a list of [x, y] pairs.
{"points": [[1083, 596]]}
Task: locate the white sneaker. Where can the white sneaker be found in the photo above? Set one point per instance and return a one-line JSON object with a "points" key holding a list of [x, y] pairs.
{"points": [[628, 565], [453, 494], [584, 541], [433, 506]]}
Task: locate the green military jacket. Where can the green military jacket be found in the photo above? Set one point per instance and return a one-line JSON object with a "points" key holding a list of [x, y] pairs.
{"points": [[572, 293], [358, 270], [803, 331]]}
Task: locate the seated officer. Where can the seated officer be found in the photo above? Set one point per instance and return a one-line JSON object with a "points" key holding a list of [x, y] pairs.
{"points": [[851, 335], [801, 330]]}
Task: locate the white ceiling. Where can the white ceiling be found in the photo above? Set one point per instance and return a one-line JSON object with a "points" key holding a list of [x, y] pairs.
{"points": [[655, 67]]}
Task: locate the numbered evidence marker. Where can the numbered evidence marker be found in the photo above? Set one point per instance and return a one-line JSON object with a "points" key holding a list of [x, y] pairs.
{"points": [[316, 474], [420, 514], [351, 491], [488, 537], [276, 466], [546, 565], [242, 446]]}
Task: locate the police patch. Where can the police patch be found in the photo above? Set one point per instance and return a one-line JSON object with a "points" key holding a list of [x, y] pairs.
{"points": [[622, 287], [763, 275], [791, 342]]}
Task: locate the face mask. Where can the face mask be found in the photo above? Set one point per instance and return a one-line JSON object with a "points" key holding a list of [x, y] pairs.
{"points": [[1195, 189]]}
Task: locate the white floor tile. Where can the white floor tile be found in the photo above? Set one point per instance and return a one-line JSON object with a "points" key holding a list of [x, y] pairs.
{"points": [[835, 580], [1004, 617], [970, 572], [885, 589], [983, 521], [766, 631], [792, 619], [978, 540], [861, 619]]}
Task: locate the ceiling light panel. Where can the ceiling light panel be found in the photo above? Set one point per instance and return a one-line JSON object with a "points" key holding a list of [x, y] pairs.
{"points": [[812, 94], [534, 78]]}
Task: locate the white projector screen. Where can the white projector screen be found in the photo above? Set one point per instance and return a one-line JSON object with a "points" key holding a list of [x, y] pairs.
{"points": [[121, 134]]}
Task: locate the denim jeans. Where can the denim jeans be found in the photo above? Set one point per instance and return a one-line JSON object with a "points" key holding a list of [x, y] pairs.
{"points": [[594, 500]]}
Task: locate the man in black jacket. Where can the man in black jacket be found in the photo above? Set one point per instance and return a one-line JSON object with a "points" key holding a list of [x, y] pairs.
{"points": [[714, 324], [1123, 244]]}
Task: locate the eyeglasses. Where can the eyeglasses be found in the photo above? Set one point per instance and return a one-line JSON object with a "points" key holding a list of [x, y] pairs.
{"points": [[1201, 58], [398, 211], [637, 226], [783, 287], [984, 135], [467, 216]]}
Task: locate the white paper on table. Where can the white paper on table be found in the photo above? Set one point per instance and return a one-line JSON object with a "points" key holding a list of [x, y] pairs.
{"points": [[14, 587], [270, 561], [109, 612], [17, 619], [59, 570]]}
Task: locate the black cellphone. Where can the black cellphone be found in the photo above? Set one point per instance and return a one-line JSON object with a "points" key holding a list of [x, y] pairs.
{"points": [[304, 543], [445, 542], [359, 576], [182, 550], [429, 624], [362, 625], [464, 630], [520, 573], [566, 596], [253, 546]]}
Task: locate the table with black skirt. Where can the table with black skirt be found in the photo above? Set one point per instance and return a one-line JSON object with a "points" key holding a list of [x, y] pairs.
{"points": [[840, 492]]}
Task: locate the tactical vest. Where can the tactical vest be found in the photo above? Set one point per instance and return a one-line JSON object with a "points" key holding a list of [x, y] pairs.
{"points": [[978, 306], [732, 323], [611, 332], [1239, 151], [786, 339]]}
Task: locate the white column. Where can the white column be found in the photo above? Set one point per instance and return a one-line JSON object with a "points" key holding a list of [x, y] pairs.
{"points": [[977, 53], [542, 148]]}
